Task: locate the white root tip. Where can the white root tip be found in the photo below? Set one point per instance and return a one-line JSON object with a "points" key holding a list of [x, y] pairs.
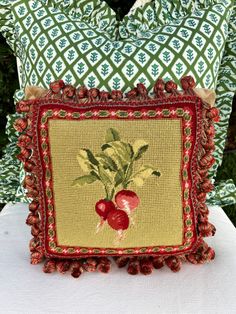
{"points": [[120, 235], [100, 226]]}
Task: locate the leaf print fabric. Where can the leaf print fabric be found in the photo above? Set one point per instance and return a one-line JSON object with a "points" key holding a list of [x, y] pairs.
{"points": [[82, 43]]}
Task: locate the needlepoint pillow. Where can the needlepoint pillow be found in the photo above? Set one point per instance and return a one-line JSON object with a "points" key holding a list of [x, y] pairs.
{"points": [[117, 177], [82, 43]]}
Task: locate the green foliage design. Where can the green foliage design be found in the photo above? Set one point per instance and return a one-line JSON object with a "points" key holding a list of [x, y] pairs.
{"points": [[115, 165]]}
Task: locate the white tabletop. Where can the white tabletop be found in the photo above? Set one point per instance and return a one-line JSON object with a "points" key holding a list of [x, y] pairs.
{"points": [[201, 289]]}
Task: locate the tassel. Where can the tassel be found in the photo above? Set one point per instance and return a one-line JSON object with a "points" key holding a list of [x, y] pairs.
{"points": [[142, 91], [33, 206], [171, 88], [210, 145], [29, 165], [173, 263], [210, 131], [146, 266], [32, 193], [132, 94], [158, 262], [68, 93], [63, 266], [207, 161], [159, 88], [20, 125], [104, 265], [206, 186], [23, 106], [206, 229], [26, 153], [32, 219], [21, 158], [36, 258], [203, 209], [57, 86], [82, 92], [121, 261], [210, 254], [35, 230], [213, 114], [203, 172], [134, 266], [34, 243], [203, 218], [104, 96], [49, 266], [24, 141], [29, 181], [193, 259], [203, 254], [76, 269], [188, 83], [90, 265], [201, 197], [116, 95], [93, 94]]}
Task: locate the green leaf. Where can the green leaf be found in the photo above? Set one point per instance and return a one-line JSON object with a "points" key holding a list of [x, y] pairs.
{"points": [[105, 176], [84, 180], [91, 157], [107, 162], [130, 149], [119, 177], [111, 152], [128, 174], [139, 148], [93, 173], [119, 151], [112, 135], [143, 173], [83, 161], [124, 149]]}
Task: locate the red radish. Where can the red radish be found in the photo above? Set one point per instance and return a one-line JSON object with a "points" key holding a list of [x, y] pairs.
{"points": [[127, 200], [103, 207], [118, 219]]}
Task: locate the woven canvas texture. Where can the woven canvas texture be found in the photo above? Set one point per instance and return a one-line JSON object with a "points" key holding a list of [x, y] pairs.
{"points": [[82, 43], [140, 160], [158, 218]]}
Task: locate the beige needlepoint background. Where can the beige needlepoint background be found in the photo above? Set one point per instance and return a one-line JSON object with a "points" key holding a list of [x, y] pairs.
{"points": [[158, 219]]}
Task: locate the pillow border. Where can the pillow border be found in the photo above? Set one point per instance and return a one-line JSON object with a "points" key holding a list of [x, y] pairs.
{"points": [[44, 111], [202, 150]]}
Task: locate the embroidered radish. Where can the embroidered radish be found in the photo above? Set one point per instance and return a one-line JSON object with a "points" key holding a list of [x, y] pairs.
{"points": [[103, 207], [118, 220], [127, 200], [115, 168]]}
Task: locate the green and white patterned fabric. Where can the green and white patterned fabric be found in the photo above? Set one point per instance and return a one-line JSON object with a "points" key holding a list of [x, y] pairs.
{"points": [[223, 194], [82, 43]]}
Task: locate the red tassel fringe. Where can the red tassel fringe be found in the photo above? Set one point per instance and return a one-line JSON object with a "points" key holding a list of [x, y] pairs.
{"points": [[134, 265]]}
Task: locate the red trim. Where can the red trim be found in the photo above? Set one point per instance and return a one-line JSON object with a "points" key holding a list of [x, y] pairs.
{"points": [[172, 104], [195, 184]]}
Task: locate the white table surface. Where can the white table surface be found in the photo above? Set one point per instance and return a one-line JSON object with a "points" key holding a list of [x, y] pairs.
{"points": [[24, 288]]}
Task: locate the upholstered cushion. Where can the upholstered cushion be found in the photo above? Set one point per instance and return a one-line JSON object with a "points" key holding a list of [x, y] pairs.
{"points": [[118, 177]]}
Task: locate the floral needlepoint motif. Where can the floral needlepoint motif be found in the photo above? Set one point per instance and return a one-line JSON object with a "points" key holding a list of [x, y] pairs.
{"points": [[115, 168]]}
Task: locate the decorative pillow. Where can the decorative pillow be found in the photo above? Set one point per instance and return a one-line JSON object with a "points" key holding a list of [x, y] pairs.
{"points": [[117, 177], [82, 43]]}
